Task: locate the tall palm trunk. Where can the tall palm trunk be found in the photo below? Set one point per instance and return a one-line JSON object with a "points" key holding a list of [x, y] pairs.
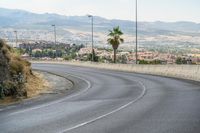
{"points": [[115, 51], [115, 39]]}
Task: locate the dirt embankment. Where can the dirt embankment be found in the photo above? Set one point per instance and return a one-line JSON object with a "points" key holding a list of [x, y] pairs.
{"points": [[17, 81], [35, 85]]}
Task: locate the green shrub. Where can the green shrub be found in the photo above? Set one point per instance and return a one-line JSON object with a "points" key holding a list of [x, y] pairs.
{"points": [[9, 88], [1, 43]]}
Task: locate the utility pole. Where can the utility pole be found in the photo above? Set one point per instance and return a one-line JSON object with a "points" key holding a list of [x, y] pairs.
{"points": [[136, 32], [92, 23]]}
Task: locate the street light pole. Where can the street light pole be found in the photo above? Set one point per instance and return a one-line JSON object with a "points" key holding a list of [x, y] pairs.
{"points": [[55, 33], [92, 23], [136, 32], [16, 38], [55, 38]]}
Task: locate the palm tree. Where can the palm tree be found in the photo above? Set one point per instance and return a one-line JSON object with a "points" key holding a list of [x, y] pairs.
{"points": [[115, 39]]}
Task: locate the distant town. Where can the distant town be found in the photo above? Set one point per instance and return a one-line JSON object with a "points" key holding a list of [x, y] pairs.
{"points": [[47, 50], [33, 37]]}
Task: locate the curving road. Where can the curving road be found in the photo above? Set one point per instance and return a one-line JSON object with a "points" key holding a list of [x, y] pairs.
{"points": [[105, 101]]}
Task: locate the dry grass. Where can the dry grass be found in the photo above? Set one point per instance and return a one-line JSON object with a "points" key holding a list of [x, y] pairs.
{"points": [[8, 100], [36, 84], [12, 67]]}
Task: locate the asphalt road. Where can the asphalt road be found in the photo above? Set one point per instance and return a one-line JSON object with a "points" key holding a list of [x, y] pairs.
{"points": [[105, 101]]}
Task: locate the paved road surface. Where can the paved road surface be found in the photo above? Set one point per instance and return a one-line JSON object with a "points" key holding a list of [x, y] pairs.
{"points": [[109, 102]]}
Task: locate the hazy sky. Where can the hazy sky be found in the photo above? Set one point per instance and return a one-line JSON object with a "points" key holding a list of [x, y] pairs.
{"points": [[148, 10]]}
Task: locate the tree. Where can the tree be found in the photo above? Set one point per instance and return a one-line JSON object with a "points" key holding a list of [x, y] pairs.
{"points": [[115, 39], [38, 54], [143, 62], [96, 58], [180, 60]]}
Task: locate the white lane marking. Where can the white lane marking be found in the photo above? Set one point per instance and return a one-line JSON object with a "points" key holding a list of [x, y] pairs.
{"points": [[58, 101], [107, 114]]}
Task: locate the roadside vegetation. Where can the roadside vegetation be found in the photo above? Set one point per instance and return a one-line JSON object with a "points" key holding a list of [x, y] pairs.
{"points": [[153, 62], [16, 76], [67, 53]]}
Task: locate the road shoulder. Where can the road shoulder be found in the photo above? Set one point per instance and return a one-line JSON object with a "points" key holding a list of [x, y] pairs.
{"points": [[53, 85]]}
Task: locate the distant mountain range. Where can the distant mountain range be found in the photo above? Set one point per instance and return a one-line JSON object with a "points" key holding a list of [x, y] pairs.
{"points": [[77, 29], [23, 19]]}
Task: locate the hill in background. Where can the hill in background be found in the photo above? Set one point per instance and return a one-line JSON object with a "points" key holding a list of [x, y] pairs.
{"points": [[20, 18], [77, 29]]}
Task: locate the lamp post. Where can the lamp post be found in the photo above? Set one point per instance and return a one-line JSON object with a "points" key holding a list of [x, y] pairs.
{"points": [[136, 31], [55, 38], [92, 23], [16, 37]]}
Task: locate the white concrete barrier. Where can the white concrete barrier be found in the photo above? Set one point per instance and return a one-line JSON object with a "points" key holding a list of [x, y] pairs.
{"points": [[191, 72]]}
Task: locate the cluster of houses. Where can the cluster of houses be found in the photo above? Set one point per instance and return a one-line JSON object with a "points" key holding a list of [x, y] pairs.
{"points": [[42, 45], [165, 58], [104, 54]]}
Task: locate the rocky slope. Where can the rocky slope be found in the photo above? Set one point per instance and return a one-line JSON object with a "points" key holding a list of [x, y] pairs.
{"points": [[14, 73]]}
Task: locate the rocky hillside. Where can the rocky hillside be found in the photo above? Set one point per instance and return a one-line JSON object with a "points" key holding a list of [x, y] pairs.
{"points": [[14, 73]]}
